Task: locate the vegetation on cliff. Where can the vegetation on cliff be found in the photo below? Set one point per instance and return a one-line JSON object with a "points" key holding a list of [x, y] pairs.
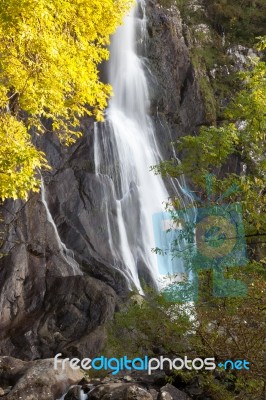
{"points": [[220, 35], [240, 137]]}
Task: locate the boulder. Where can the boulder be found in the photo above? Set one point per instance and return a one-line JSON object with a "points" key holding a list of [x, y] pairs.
{"points": [[169, 392], [36, 379], [117, 391], [154, 394]]}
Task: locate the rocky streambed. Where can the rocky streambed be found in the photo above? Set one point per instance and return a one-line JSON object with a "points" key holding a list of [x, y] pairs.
{"points": [[38, 380]]}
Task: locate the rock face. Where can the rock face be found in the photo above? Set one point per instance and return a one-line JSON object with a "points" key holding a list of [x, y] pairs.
{"points": [[66, 315], [48, 302], [36, 379], [176, 101]]}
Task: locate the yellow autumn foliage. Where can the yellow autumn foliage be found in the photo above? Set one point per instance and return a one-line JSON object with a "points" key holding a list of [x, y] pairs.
{"points": [[19, 159], [50, 51]]}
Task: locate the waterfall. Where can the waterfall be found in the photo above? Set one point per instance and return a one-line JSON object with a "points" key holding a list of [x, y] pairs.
{"points": [[124, 150], [66, 253]]}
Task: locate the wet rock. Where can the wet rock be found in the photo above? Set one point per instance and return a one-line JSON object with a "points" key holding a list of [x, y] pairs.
{"points": [[73, 393], [88, 388], [165, 396], [84, 381], [118, 391], [36, 379], [154, 394], [8, 389], [101, 390], [128, 379], [169, 392], [156, 379], [194, 388], [135, 392]]}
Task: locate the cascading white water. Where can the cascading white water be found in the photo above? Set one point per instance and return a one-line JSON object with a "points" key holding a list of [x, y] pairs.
{"points": [[125, 148]]}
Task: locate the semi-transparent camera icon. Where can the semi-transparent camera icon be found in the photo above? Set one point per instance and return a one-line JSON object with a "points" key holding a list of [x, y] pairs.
{"points": [[188, 241]]}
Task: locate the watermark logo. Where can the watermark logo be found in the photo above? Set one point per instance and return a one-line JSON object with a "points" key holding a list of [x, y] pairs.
{"points": [[203, 238], [235, 365], [150, 365], [139, 364]]}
